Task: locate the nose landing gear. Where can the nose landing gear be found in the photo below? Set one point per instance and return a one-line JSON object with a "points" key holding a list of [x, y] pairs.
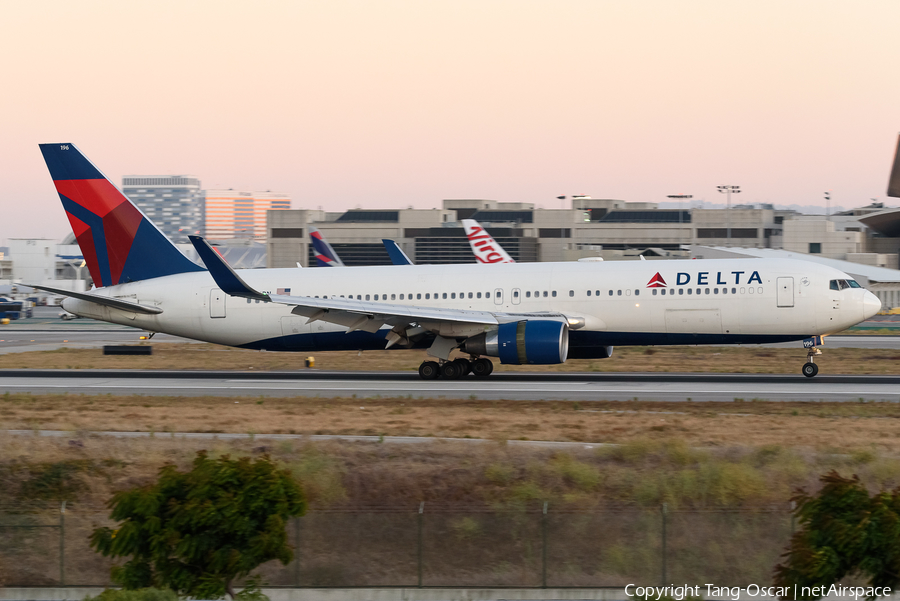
{"points": [[810, 369]]}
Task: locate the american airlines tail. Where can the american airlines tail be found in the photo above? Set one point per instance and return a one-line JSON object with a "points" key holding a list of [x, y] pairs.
{"points": [[117, 240], [483, 245], [894, 181]]}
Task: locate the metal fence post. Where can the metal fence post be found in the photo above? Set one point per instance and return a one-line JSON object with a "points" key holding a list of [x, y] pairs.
{"points": [[62, 544], [664, 512], [544, 547], [793, 517], [297, 551], [419, 545]]}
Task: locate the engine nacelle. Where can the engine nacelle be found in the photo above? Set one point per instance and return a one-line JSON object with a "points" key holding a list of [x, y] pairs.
{"points": [[522, 342]]}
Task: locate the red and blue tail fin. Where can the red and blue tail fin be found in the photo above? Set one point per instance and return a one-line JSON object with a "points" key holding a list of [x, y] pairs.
{"points": [[325, 255], [117, 240]]}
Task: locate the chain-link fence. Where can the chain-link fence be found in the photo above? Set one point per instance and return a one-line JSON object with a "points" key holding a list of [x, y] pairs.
{"points": [[459, 547]]}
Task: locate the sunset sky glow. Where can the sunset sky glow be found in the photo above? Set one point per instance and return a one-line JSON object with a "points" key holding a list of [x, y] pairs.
{"points": [[397, 103]]}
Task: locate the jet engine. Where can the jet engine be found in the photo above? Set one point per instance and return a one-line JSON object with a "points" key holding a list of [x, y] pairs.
{"points": [[521, 342]]}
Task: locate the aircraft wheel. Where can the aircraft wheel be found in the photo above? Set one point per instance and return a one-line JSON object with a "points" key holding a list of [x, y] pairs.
{"points": [[810, 370], [465, 366], [451, 370], [429, 370], [482, 367]]}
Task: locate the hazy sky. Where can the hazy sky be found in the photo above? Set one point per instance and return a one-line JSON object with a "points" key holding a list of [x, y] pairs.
{"points": [[396, 103]]}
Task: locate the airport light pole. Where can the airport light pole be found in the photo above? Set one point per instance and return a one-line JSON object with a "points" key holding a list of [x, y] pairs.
{"points": [[827, 204], [680, 198], [728, 191]]}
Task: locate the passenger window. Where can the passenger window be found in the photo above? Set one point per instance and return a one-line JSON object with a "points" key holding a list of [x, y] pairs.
{"points": [[487, 295], [445, 295], [516, 293], [470, 295], [478, 294], [637, 292], [367, 297], [554, 294], [589, 292], [419, 296], [699, 291], [663, 291], [707, 290], [734, 290], [401, 297], [610, 293], [248, 301], [452, 295], [528, 294], [716, 290], [743, 290], [655, 292], [690, 291], [427, 296], [597, 292], [545, 294], [571, 293], [759, 290], [680, 291], [628, 292], [619, 293]]}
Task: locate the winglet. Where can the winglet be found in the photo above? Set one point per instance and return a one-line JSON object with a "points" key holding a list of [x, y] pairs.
{"points": [[398, 257], [894, 182], [226, 278]]}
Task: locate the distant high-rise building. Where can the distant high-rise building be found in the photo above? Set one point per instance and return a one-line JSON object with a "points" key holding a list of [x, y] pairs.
{"points": [[174, 203], [233, 214]]}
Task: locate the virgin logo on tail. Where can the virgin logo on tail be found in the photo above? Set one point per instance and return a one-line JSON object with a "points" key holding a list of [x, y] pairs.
{"points": [[483, 245], [656, 281]]}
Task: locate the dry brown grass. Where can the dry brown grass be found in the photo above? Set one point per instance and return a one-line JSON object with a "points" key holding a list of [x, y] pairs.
{"points": [[839, 426], [748, 359]]}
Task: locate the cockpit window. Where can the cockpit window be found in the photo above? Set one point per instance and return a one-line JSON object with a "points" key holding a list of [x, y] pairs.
{"points": [[843, 284]]}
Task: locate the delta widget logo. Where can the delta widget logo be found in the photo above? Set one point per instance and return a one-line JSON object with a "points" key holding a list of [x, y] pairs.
{"points": [[656, 281]]}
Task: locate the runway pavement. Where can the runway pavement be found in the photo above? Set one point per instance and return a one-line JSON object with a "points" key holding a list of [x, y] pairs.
{"points": [[544, 386]]}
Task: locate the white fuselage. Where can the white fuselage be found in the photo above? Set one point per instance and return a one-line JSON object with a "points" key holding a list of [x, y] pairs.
{"points": [[705, 301]]}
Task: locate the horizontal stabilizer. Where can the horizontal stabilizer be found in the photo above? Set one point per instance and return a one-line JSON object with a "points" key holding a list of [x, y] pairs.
{"points": [[106, 301], [226, 278], [894, 181]]}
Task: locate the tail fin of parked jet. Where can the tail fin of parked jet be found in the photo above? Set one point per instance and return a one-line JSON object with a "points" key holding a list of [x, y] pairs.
{"points": [[483, 245], [325, 255], [117, 240], [398, 257], [894, 182]]}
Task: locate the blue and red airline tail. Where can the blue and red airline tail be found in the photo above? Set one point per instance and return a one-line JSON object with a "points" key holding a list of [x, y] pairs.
{"points": [[117, 240], [325, 255]]}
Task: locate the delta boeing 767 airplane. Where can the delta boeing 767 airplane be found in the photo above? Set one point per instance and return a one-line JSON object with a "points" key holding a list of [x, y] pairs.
{"points": [[521, 313]]}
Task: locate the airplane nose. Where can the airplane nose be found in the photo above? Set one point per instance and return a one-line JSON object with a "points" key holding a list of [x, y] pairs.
{"points": [[871, 305]]}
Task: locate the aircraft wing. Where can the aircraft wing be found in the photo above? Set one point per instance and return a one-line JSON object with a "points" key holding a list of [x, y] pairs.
{"points": [[367, 316]]}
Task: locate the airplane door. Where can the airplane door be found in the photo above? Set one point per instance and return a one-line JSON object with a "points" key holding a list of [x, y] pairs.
{"points": [[516, 296], [498, 296], [216, 303], [785, 292]]}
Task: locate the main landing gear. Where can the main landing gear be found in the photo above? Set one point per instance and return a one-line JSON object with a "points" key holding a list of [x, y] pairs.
{"points": [[458, 368]]}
